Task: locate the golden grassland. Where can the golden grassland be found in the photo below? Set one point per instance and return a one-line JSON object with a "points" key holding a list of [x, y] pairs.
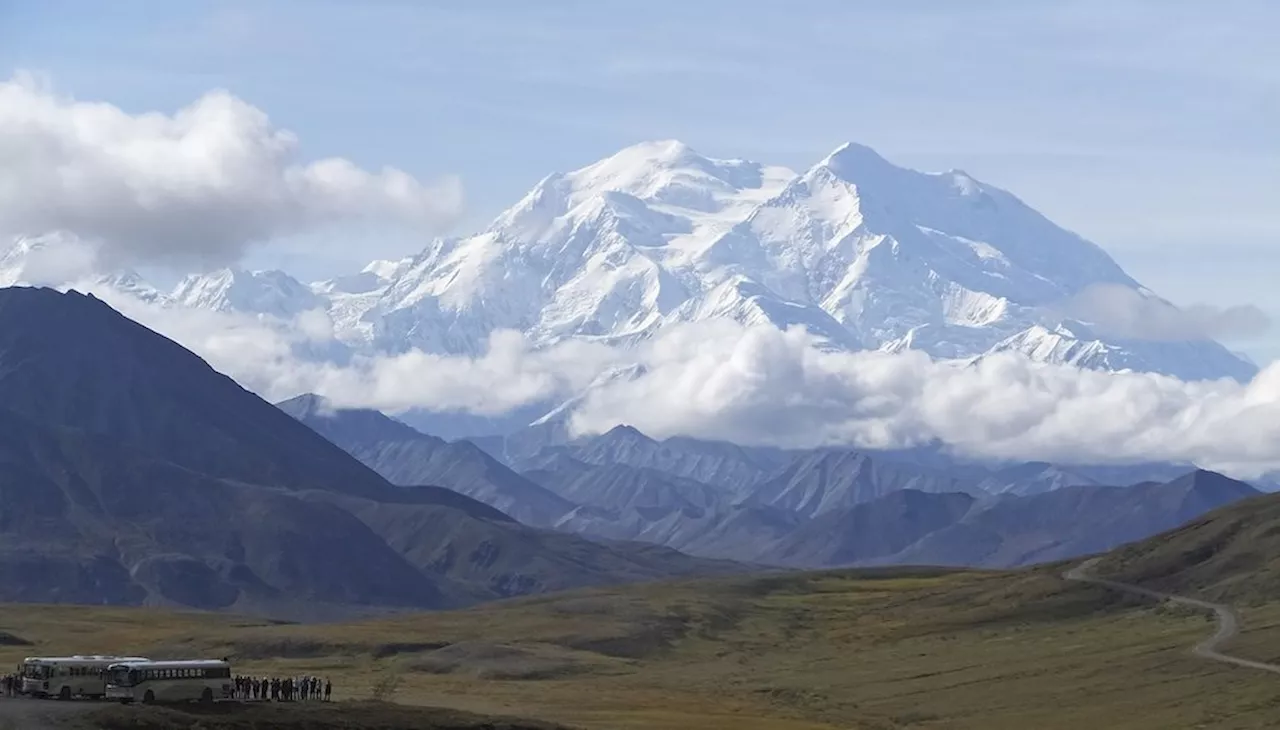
{"points": [[1259, 637], [843, 649]]}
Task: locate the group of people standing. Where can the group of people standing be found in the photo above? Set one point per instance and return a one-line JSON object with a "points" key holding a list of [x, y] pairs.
{"points": [[288, 689], [11, 685]]}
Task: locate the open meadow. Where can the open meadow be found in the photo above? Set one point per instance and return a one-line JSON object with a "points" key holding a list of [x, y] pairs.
{"points": [[866, 649]]}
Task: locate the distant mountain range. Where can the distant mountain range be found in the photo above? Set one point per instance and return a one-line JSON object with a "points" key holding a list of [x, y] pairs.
{"points": [[863, 253], [134, 473], [805, 509]]}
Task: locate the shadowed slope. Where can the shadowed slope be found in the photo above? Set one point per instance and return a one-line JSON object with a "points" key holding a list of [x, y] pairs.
{"points": [[71, 360], [136, 473], [1073, 521], [407, 457], [1230, 554]]}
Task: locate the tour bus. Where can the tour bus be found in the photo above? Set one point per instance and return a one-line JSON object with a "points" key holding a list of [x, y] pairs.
{"points": [[146, 681], [68, 676]]}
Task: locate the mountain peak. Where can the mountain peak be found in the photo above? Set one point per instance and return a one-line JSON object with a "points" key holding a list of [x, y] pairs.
{"points": [[852, 161], [307, 404], [624, 431], [233, 288], [670, 172], [1202, 480], [666, 152], [349, 425], [387, 268]]}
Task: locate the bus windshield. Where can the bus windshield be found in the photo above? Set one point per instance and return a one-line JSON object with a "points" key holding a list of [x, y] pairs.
{"points": [[36, 671], [122, 676]]}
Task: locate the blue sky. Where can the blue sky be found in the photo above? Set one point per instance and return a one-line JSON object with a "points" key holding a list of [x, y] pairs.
{"points": [[1148, 127]]}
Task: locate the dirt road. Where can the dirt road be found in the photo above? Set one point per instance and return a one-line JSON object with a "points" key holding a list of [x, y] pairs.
{"points": [[1228, 623]]}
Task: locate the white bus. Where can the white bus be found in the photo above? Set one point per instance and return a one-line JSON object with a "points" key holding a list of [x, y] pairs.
{"points": [[180, 681], [65, 677]]}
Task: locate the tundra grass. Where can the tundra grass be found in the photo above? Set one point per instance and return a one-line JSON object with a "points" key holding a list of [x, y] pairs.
{"points": [[883, 650]]}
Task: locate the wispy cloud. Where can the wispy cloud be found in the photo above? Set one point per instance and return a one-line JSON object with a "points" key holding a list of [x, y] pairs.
{"points": [[1120, 311]]}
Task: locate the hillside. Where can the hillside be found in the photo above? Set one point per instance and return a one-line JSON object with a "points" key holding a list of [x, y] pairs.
{"points": [[87, 520], [137, 474], [877, 528], [885, 650], [1072, 521], [1230, 554], [70, 360]]}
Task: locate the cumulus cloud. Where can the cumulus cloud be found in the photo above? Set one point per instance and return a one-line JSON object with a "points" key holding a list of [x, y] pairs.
{"points": [[1120, 311], [274, 358], [48, 260], [762, 386], [198, 186]]}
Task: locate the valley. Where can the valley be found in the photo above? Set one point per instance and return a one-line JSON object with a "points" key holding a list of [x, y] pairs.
{"points": [[891, 648]]}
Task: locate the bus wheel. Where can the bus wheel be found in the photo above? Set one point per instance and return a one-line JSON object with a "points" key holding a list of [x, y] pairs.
{"points": [[207, 696], [65, 693], [149, 698]]}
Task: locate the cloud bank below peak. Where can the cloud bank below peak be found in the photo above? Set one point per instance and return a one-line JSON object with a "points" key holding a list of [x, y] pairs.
{"points": [[195, 187], [759, 385]]}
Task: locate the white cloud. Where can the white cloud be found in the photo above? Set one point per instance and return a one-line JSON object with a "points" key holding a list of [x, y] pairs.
{"points": [[762, 386], [315, 325], [270, 357], [195, 187], [48, 260], [1120, 311]]}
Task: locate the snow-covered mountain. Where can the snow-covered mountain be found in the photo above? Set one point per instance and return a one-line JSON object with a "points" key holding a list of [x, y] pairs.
{"points": [[861, 252], [273, 293], [58, 258], [1074, 343]]}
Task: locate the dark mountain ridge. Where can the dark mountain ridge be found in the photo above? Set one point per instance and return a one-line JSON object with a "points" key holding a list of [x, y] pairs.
{"points": [[718, 464], [71, 360], [132, 472], [408, 457], [1072, 521], [835, 479]]}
